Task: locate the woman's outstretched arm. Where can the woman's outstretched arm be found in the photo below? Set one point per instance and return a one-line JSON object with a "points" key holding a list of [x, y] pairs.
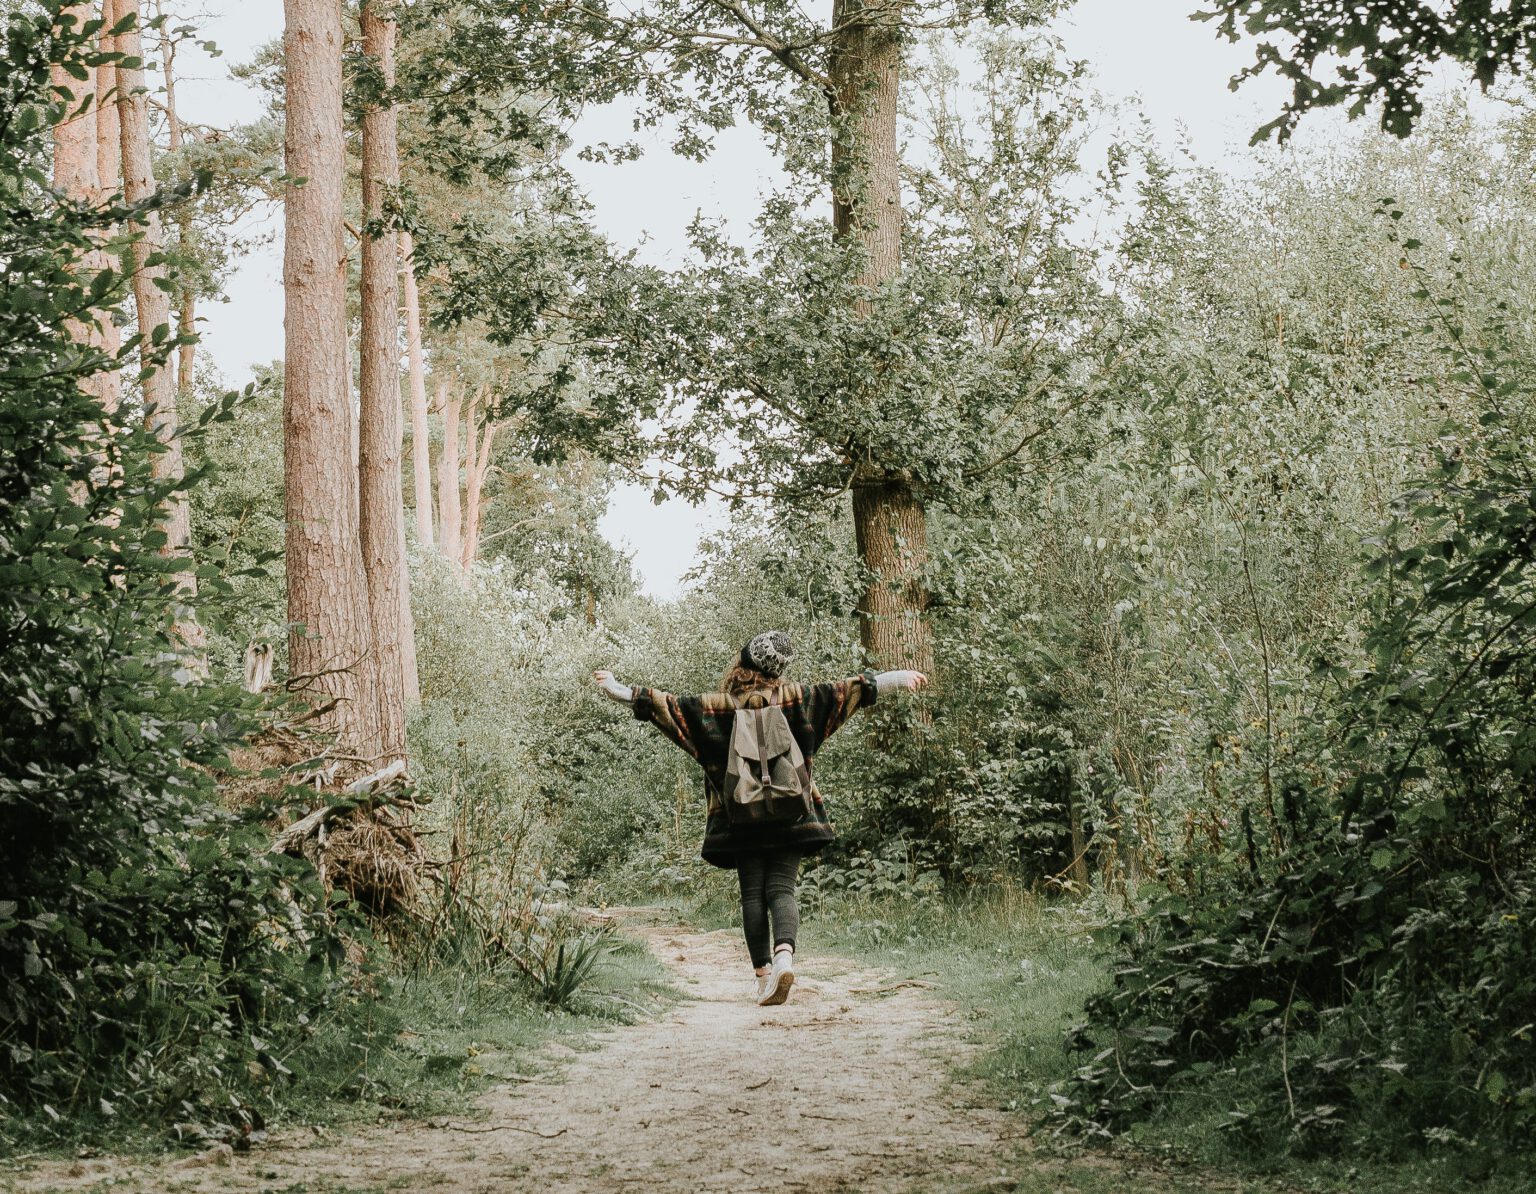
{"points": [[901, 678], [616, 691]]}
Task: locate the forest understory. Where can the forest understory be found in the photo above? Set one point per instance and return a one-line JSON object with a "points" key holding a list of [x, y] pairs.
{"points": [[1177, 519]]}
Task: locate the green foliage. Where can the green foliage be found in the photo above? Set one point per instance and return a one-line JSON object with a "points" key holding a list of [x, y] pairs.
{"points": [[146, 936], [1379, 51], [1371, 976]]}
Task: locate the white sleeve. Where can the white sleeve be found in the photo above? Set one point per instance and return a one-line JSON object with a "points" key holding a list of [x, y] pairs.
{"points": [[617, 691], [892, 681]]}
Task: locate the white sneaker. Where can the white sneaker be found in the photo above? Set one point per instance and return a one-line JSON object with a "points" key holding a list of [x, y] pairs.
{"points": [[780, 979], [762, 985]]}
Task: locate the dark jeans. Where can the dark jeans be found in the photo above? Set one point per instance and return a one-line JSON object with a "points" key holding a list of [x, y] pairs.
{"points": [[768, 883]]}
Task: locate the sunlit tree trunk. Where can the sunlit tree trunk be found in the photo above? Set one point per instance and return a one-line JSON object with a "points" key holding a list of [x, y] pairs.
{"points": [[421, 436], [151, 304], [381, 515], [889, 520], [109, 177], [478, 444], [330, 648], [75, 173], [186, 296], [449, 406]]}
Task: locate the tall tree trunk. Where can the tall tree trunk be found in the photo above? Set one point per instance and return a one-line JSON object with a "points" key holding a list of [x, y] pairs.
{"points": [[109, 177], [479, 445], [889, 522], [152, 306], [186, 297], [381, 515], [449, 405], [421, 437], [75, 173], [330, 646]]}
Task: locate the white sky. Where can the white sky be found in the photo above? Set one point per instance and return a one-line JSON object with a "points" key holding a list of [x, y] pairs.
{"points": [[1136, 47]]}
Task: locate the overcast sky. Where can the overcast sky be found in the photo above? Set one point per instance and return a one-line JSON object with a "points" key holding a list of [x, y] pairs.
{"points": [[1147, 48]]}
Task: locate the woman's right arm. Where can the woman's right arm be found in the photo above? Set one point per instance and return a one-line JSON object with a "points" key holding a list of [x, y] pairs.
{"points": [[612, 688]]}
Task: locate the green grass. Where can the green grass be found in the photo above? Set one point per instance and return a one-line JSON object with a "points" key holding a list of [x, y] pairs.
{"points": [[430, 1041], [1020, 968], [419, 1043]]}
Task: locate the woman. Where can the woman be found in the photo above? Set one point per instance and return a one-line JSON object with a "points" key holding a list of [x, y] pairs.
{"points": [[766, 857]]}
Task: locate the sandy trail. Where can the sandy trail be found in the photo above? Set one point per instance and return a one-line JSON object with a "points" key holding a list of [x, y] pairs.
{"points": [[845, 1088]]}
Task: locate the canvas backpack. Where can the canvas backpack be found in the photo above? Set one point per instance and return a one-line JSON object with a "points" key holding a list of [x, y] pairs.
{"points": [[767, 781]]}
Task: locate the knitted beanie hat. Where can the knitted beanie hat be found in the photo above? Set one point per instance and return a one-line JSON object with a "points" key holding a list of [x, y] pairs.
{"points": [[768, 653]]}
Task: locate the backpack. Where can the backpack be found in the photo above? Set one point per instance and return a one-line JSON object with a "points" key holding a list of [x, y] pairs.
{"points": [[767, 782]]}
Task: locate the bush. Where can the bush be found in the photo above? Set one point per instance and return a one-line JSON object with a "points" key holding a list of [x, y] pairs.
{"points": [[148, 940], [1368, 979]]}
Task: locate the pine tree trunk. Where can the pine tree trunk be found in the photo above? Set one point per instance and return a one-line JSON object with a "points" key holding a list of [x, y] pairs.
{"points": [[449, 540], [152, 309], [186, 297], [476, 467], [330, 648], [75, 173], [109, 178], [421, 437], [889, 522], [381, 515]]}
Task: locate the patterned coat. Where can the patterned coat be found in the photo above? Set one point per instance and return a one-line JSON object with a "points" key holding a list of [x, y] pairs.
{"points": [[702, 726]]}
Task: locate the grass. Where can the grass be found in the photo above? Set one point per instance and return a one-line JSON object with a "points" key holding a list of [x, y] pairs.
{"points": [[420, 1043], [1020, 968]]}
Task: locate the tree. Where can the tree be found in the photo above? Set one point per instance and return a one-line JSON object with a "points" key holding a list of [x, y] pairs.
{"points": [[151, 301], [381, 516], [816, 88], [331, 651], [1374, 51], [135, 914]]}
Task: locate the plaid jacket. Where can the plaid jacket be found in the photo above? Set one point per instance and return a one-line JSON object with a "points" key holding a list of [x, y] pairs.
{"points": [[702, 726]]}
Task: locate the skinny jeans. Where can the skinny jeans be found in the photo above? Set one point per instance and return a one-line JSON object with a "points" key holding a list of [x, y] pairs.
{"points": [[768, 880]]}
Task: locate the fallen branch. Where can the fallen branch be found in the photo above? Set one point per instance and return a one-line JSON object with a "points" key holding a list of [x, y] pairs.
{"points": [[500, 1128], [312, 822], [906, 982]]}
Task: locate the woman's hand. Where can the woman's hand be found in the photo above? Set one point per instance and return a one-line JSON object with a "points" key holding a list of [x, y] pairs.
{"points": [[917, 682], [601, 678]]}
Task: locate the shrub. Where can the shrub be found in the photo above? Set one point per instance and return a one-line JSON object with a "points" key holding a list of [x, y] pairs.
{"points": [[145, 934]]}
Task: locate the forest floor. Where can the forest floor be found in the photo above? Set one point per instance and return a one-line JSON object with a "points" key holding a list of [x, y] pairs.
{"points": [[850, 1086]]}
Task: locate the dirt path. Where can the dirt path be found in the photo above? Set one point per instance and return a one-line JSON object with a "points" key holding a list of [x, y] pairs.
{"points": [[845, 1088]]}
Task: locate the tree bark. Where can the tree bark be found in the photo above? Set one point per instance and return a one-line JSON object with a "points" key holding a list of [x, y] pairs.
{"points": [[109, 177], [330, 643], [478, 444], [381, 515], [890, 526], [186, 297], [75, 173], [449, 405], [152, 309], [421, 437]]}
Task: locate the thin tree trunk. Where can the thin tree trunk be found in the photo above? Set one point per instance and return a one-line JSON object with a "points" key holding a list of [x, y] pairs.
{"points": [[449, 404], [109, 177], [381, 525], [889, 521], [330, 648], [75, 174], [186, 297], [476, 467], [421, 437], [152, 309]]}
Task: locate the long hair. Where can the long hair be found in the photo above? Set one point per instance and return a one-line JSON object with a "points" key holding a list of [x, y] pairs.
{"points": [[739, 681]]}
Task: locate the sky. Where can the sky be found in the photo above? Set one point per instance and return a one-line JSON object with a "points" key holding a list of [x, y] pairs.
{"points": [[1144, 48]]}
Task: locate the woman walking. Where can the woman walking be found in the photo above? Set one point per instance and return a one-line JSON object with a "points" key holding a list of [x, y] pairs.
{"points": [[764, 812]]}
